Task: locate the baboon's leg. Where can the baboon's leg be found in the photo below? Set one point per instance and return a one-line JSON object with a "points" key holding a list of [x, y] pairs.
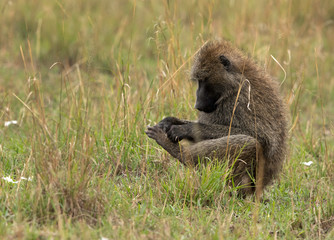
{"points": [[241, 148]]}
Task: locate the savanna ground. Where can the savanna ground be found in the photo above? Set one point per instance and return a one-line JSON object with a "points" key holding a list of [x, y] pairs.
{"points": [[83, 79]]}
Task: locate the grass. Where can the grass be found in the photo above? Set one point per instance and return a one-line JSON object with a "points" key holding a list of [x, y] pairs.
{"points": [[84, 79]]}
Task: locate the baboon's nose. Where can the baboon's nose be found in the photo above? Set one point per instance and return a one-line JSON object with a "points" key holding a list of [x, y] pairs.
{"points": [[198, 107], [206, 109]]}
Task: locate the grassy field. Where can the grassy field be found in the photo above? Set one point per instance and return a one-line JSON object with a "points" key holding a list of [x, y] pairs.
{"points": [[83, 79]]}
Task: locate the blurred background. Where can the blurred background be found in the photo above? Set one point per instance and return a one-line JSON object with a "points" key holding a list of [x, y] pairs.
{"points": [[151, 40]]}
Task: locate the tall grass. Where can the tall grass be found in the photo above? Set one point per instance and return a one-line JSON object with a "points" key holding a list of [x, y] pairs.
{"points": [[84, 79]]}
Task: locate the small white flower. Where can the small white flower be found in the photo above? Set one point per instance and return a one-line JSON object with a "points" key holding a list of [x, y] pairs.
{"points": [[104, 238], [9, 179], [8, 123], [28, 179], [307, 163]]}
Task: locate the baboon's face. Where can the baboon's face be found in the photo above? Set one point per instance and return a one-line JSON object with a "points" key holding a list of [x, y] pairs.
{"points": [[211, 89], [206, 97]]}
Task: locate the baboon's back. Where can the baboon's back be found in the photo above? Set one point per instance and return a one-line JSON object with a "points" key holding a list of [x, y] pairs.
{"points": [[260, 112]]}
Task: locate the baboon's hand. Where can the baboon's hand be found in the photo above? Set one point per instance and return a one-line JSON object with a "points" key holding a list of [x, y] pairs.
{"points": [[161, 138], [157, 134], [179, 132], [166, 123]]}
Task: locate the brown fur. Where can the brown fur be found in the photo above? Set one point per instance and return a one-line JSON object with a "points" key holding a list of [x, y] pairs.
{"points": [[258, 128]]}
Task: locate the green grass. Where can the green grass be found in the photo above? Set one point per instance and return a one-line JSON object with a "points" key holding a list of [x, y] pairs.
{"points": [[84, 79]]}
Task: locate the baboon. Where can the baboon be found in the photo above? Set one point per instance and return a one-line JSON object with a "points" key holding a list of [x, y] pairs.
{"points": [[242, 118]]}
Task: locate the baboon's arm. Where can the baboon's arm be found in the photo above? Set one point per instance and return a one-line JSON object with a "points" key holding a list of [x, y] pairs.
{"points": [[198, 132], [166, 123], [241, 146]]}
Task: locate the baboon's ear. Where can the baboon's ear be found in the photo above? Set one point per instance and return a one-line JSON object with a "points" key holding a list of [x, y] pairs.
{"points": [[225, 62]]}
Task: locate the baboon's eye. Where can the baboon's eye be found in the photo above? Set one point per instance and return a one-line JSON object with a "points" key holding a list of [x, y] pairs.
{"points": [[225, 62]]}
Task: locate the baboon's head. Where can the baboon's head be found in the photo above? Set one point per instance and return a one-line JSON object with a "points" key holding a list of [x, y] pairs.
{"points": [[216, 73]]}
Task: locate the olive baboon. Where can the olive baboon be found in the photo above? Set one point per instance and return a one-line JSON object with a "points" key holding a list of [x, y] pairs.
{"points": [[241, 115]]}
